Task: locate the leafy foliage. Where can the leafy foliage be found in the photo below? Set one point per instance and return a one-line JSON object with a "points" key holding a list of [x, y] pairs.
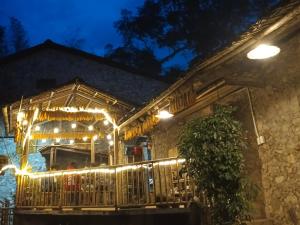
{"points": [[19, 36], [213, 148], [139, 59], [3, 45], [195, 27]]}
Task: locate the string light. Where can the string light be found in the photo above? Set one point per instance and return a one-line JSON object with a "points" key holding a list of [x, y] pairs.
{"points": [[105, 122], [85, 138], [20, 116], [55, 130], [43, 140], [71, 141], [111, 143], [109, 137], [95, 137], [25, 122], [73, 125], [37, 128], [57, 140], [110, 170], [90, 127]]}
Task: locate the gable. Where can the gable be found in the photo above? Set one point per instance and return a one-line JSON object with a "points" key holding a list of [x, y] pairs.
{"points": [[50, 64]]}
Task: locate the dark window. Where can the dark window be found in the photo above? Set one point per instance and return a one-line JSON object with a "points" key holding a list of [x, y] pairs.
{"points": [[45, 83]]}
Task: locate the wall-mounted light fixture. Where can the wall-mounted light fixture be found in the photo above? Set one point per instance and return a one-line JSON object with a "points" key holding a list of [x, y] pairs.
{"points": [[164, 114], [263, 51]]}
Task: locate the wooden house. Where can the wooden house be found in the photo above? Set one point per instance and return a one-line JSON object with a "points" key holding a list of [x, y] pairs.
{"points": [[144, 180]]}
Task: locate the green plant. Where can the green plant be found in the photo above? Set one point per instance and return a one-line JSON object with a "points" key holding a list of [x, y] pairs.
{"points": [[213, 148]]}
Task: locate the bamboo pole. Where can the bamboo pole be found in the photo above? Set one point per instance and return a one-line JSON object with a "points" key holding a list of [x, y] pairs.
{"points": [[92, 151]]}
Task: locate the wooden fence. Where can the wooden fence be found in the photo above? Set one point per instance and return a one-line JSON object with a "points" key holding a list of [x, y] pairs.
{"points": [[6, 214], [160, 183]]}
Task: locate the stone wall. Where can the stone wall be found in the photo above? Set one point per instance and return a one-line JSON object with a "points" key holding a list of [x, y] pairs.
{"points": [[278, 118], [20, 76], [275, 89], [8, 181], [165, 138]]}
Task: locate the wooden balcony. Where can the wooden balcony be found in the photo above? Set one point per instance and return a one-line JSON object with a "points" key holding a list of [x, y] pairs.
{"points": [[151, 184]]}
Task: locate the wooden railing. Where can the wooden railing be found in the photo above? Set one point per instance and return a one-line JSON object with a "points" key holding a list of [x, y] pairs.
{"points": [[158, 183], [6, 214]]}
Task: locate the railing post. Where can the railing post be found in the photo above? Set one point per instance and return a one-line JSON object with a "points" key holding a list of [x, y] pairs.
{"points": [[116, 190], [61, 191]]}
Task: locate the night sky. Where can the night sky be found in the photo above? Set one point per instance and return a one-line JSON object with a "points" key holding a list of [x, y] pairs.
{"points": [[61, 20]]}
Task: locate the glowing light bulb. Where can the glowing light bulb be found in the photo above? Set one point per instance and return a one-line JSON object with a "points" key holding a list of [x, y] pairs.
{"points": [[73, 125], [20, 116], [164, 114], [111, 143], [91, 127], [105, 122], [95, 137], [57, 140], [71, 141], [37, 128], [109, 137], [25, 122], [43, 140], [85, 138], [56, 130], [30, 137]]}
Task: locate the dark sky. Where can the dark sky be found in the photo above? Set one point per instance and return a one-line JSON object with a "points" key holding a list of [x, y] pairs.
{"points": [[61, 20]]}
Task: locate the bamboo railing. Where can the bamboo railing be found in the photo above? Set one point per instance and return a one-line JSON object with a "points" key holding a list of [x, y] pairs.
{"points": [[159, 183], [6, 214]]}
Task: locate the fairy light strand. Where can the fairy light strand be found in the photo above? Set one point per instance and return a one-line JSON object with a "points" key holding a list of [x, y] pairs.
{"points": [[91, 170]]}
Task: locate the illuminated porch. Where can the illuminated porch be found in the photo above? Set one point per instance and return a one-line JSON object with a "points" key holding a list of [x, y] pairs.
{"points": [[151, 184]]}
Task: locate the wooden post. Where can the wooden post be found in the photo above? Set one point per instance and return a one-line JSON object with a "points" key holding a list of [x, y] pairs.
{"points": [[24, 155], [92, 151], [116, 146], [51, 157], [110, 156]]}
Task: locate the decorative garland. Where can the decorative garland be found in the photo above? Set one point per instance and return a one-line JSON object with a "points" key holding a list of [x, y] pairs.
{"points": [[65, 135], [68, 116], [141, 128]]}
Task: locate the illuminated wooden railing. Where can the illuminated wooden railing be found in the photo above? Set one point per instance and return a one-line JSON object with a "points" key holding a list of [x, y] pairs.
{"points": [[158, 183]]}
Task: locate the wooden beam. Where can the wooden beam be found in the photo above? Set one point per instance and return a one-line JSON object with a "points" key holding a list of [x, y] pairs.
{"points": [[71, 96], [49, 102], [90, 101], [24, 155]]}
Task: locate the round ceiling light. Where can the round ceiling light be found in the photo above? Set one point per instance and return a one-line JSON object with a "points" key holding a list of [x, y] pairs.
{"points": [[263, 51]]}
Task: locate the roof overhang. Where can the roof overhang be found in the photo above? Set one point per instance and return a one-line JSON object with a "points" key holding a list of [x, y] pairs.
{"points": [[75, 94]]}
